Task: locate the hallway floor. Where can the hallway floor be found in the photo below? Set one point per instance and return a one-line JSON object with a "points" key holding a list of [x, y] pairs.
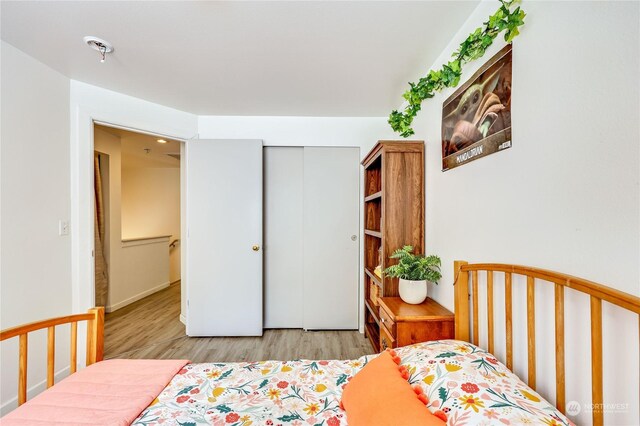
{"points": [[147, 322], [151, 328]]}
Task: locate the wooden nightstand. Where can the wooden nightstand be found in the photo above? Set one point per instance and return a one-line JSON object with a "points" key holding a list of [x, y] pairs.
{"points": [[402, 324]]}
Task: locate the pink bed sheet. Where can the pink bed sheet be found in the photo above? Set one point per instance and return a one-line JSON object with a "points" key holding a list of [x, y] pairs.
{"points": [[112, 392]]}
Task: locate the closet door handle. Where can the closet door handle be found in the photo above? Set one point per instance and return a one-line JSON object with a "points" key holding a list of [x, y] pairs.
{"points": [[354, 237], [255, 247]]}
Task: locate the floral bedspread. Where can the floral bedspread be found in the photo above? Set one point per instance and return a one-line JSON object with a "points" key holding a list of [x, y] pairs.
{"points": [[473, 388], [296, 392], [464, 381]]}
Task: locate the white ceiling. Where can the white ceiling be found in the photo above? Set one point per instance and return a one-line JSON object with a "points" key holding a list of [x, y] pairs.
{"points": [[133, 147], [299, 58]]}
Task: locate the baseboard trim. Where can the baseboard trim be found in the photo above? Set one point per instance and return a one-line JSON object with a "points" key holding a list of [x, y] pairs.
{"points": [[183, 319], [34, 390], [137, 297]]}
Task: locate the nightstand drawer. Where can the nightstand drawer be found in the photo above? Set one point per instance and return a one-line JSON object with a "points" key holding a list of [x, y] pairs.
{"points": [[386, 341], [403, 324], [387, 321]]}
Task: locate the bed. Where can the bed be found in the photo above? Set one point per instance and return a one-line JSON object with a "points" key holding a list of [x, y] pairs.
{"points": [[464, 381], [460, 379]]}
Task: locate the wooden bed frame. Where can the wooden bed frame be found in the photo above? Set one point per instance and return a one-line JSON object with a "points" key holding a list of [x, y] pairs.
{"points": [[95, 344], [466, 321], [465, 272]]}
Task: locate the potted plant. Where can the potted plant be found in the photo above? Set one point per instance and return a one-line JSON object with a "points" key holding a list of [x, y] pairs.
{"points": [[414, 270]]}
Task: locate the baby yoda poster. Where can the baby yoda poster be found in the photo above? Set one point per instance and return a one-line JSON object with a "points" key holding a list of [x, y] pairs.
{"points": [[477, 117]]}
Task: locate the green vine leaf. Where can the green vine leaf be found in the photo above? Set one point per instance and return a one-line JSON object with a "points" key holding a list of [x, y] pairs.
{"points": [[474, 47]]}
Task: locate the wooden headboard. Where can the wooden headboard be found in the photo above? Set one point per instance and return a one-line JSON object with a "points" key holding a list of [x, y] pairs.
{"points": [[95, 344], [466, 318]]}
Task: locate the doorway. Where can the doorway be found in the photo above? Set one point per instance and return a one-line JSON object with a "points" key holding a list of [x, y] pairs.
{"points": [[137, 228]]}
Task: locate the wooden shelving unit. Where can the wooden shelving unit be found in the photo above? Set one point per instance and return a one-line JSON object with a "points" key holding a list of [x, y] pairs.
{"points": [[373, 196], [373, 233], [394, 217], [372, 276]]}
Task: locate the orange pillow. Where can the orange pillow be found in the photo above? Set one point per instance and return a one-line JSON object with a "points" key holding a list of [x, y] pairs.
{"points": [[378, 395]]}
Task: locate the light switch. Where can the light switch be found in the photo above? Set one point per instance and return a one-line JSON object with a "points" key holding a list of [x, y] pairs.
{"points": [[63, 227]]}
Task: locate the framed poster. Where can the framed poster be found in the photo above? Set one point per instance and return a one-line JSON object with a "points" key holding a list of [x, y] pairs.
{"points": [[476, 119]]}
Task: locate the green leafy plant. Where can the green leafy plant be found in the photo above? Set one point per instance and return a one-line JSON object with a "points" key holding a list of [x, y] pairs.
{"points": [[504, 19], [414, 267]]}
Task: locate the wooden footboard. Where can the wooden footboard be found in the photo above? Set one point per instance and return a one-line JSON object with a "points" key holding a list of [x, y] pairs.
{"points": [[95, 344], [467, 326]]}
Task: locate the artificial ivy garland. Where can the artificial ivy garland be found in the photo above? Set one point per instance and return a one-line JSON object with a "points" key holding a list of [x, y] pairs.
{"points": [[449, 76]]}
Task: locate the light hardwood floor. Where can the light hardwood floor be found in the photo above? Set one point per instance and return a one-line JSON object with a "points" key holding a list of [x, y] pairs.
{"points": [[151, 328]]}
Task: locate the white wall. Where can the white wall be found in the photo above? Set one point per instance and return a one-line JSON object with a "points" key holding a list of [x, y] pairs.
{"points": [[151, 207], [36, 261], [565, 196], [362, 132], [145, 270]]}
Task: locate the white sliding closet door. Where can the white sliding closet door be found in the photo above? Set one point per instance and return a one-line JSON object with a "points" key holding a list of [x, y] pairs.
{"points": [[224, 237], [283, 236], [331, 246]]}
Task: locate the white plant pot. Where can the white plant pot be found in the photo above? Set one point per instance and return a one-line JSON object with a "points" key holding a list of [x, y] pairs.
{"points": [[413, 292]]}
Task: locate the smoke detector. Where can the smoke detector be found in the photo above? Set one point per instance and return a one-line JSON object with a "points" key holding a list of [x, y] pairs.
{"points": [[100, 45]]}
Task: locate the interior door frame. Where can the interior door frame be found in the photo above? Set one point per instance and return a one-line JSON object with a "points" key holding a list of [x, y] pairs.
{"points": [[82, 209]]}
